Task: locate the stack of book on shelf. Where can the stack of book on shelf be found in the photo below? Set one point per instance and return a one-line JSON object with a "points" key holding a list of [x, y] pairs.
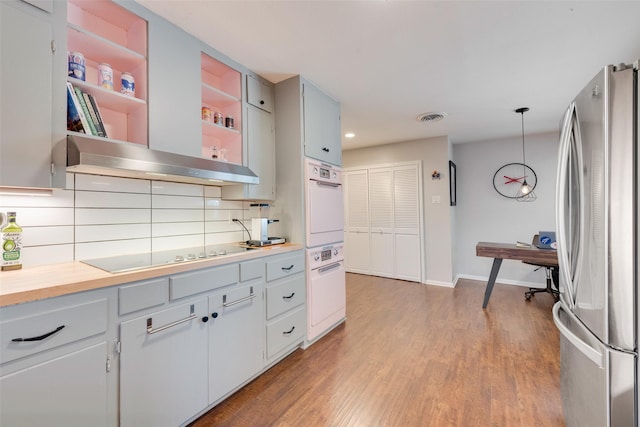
{"points": [[83, 114]]}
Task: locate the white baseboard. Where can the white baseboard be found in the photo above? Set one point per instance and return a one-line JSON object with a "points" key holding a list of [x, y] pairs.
{"points": [[438, 283]]}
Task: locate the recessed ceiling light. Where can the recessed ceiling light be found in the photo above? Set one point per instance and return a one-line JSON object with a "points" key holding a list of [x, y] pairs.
{"points": [[349, 135], [431, 117]]}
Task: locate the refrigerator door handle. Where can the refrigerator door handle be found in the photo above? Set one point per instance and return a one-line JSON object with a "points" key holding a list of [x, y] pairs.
{"points": [[594, 355], [563, 157]]}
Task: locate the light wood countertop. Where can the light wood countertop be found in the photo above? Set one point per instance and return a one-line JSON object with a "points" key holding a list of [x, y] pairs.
{"points": [[47, 281]]}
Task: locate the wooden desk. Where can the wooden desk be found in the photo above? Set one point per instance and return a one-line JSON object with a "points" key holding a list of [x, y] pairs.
{"points": [[500, 251]]}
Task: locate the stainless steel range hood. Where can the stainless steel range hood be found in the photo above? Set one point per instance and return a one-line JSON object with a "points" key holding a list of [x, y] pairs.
{"points": [[91, 155]]}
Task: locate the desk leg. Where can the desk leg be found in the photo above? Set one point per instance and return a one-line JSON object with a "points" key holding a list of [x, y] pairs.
{"points": [[497, 262]]}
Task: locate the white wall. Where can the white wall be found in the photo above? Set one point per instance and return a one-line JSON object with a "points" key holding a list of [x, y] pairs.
{"points": [[434, 154], [483, 215]]}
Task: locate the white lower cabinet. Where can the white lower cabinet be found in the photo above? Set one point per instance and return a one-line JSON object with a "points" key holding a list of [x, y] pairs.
{"points": [[55, 362], [235, 338], [157, 352], [285, 300], [163, 366], [67, 391]]}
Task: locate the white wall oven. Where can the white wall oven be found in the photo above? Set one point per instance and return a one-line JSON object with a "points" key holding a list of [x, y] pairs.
{"points": [[324, 204], [326, 295]]}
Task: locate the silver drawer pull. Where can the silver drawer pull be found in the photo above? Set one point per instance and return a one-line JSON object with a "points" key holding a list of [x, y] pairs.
{"points": [[289, 332], [287, 268], [229, 304], [39, 338], [288, 297], [150, 329]]}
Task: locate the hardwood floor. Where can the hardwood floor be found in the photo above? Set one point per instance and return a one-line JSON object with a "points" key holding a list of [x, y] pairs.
{"points": [[415, 355]]}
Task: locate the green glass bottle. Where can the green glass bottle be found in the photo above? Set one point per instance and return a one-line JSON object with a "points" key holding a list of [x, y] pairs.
{"points": [[11, 244]]}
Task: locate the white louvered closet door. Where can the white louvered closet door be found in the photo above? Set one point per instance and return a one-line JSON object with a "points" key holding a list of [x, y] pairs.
{"points": [[406, 223], [382, 245], [356, 186]]}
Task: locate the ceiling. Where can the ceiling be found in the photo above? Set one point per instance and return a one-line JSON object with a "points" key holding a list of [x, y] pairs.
{"points": [[386, 62]]}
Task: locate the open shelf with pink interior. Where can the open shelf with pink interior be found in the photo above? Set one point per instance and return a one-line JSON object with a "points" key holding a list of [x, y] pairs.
{"points": [[222, 94], [104, 32]]}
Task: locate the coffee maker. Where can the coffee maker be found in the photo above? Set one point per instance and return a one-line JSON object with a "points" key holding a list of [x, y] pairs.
{"points": [[259, 225]]}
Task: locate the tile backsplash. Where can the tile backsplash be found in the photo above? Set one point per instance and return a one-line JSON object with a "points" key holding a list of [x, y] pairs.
{"points": [[100, 216]]}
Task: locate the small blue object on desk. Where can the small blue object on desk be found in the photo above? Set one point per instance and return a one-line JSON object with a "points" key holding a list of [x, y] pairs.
{"points": [[547, 240]]}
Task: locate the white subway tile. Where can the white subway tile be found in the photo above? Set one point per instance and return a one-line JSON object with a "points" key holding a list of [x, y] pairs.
{"points": [[174, 242], [177, 215], [176, 228], [70, 181], [91, 216], [221, 238], [112, 184], [221, 214], [95, 199], [210, 191], [40, 236], [112, 248], [98, 233], [58, 199], [43, 255], [32, 217], [176, 188], [160, 201], [223, 226], [223, 204]]}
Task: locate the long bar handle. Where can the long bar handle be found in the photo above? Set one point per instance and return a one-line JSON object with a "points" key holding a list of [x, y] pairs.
{"points": [[329, 267], [327, 184], [229, 304], [151, 330], [39, 338], [594, 355]]}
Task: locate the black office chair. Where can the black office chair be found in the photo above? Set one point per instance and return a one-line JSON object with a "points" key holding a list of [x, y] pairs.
{"points": [[552, 277]]}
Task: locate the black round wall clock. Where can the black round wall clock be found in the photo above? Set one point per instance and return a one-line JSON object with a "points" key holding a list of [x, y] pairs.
{"points": [[509, 178]]}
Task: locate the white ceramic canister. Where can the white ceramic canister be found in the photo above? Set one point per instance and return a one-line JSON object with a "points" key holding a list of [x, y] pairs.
{"points": [[105, 76]]}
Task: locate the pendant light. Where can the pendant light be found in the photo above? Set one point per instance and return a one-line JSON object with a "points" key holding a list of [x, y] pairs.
{"points": [[525, 192]]}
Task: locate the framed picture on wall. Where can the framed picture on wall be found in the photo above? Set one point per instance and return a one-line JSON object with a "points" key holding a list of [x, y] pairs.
{"points": [[452, 183]]}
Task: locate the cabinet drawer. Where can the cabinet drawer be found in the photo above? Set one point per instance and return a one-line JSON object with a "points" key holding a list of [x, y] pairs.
{"points": [[284, 266], [259, 94], [51, 329], [285, 332], [251, 270], [285, 296], [142, 295], [184, 285]]}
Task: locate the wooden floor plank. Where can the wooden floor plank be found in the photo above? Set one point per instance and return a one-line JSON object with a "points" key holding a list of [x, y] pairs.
{"points": [[415, 355]]}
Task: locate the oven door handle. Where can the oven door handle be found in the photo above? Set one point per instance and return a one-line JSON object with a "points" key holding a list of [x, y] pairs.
{"points": [[329, 267], [327, 184]]}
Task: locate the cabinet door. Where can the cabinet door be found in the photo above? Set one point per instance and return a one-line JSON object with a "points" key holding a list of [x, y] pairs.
{"points": [[67, 391], [174, 90], [261, 149], [163, 380], [406, 222], [356, 190], [259, 94], [235, 338], [322, 139], [26, 102], [381, 221]]}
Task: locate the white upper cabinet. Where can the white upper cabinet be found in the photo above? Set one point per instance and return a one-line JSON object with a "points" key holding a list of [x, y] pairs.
{"points": [[31, 59], [322, 139], [259, 94], [174, 90]]}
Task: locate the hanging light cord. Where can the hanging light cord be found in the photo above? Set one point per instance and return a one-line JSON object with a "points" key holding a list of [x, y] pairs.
{"points": [[524, 163]]}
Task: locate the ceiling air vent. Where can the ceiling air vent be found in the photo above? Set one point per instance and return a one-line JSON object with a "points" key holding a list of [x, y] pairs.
{"points": [[431, 117]]}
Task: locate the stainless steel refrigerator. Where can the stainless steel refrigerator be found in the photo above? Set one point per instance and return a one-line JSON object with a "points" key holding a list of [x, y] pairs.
{"points": [[597, 233]]}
